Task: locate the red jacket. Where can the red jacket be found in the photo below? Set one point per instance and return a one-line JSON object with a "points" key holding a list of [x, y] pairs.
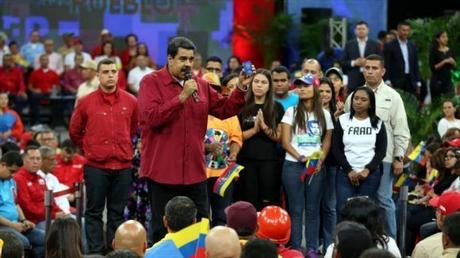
{"points": [[71, 172], [172, 132], [31, 195], [103, 130], [12, 80]]}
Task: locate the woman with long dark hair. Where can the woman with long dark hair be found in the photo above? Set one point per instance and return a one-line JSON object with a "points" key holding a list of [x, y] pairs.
{"points": [[64, 239], [441, 63], [306, 131], [233, 65], [328, 202], [260, 122], [108, 53], [364, 211], [360, 144]]}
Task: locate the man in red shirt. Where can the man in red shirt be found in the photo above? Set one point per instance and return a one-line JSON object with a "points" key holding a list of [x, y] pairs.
{"points": [[41, 83], [102, 125], [12, 82], [173, 118], [31, 188], [69, 164]]}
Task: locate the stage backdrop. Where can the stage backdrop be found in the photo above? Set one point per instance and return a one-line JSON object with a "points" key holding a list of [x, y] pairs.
{"points": [[207, 22]]}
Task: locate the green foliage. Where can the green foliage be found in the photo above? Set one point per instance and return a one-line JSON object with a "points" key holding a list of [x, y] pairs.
{"points": [[275, 37], [311, 38]]}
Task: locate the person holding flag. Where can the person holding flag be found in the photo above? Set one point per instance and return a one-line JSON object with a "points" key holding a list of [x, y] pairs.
{"points": [[360, 144], [306, 131]]}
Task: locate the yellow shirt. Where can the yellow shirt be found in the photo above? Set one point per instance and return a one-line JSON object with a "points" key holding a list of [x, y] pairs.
{"points": [[225, 132]]}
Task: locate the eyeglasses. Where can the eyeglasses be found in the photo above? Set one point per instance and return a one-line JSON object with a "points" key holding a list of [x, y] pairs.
{"points": [[448, 157]]}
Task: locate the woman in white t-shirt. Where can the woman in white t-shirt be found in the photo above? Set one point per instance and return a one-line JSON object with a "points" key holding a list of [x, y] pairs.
{"points": [[360, 144], [449, 120], [306, 129]]}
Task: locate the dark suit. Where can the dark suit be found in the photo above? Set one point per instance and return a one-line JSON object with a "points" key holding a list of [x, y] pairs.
{"points": [[394, 65], [351, 52]]}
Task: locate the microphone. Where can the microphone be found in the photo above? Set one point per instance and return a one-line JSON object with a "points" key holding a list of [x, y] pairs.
{"points": [[188, 76]]}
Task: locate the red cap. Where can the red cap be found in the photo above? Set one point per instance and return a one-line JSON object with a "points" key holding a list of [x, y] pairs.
{"points": [[242, 216], [454, 143], [274, 225], [448, 203]]}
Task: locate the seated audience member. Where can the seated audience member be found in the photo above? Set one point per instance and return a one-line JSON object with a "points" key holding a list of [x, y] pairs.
{"points": [[137, 73], [46, 137], [67, 47], [12, 246], [449, 120], [275, 225], [351, 240], [41, 84], [180, 212], [10, 146], [19, 60], [131, 235], [72, 78], [222, 242], [52, 182], [69, 164], [364, 211], [56, 62], [451, 236], [376, 253], [143, 50], [12, 82], [446, 205], [31, 188], [259, 248], [108, 53], [91, 82], [242, 217], [11, 127], [69, 60], [123, 253], [64, 239], [12, 218]]}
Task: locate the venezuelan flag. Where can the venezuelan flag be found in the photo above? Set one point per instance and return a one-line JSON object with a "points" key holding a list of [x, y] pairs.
{"points": [[222, 183], [186, 243], [310, 167], [417, 154]]}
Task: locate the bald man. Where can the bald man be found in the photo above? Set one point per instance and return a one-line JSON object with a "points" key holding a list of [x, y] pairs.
{"points": [[222, 242], [131, 235], [312, 66]]}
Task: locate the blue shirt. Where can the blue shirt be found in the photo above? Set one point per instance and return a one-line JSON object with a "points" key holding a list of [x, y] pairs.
{"points": [[8, 192], [291, 100], [30, 50]]}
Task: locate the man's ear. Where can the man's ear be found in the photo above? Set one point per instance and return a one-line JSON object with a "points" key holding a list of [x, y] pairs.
{"points": [[445, 241], [165, 222]]}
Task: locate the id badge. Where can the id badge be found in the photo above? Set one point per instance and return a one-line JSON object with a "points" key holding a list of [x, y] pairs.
{"points": [[304, 140]]}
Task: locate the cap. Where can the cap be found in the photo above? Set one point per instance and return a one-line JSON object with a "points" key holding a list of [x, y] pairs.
{"points": [[454, 143], [105, 31], [336, 71], [68, 34], [211, 78], [242, 216], [89, 64], [308, 79], [448, 202]]}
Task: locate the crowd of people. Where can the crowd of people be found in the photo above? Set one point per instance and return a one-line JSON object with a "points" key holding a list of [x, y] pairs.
{"points": [[319, 149]]}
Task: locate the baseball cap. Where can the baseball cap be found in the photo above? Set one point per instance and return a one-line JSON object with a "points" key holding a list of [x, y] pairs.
{"points": [[447, 203], [454, 143], [68, 34], [242, 216], [89, 64], [308, 79], [335, 70]]}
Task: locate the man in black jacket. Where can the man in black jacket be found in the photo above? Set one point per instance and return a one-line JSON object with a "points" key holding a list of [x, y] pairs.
{"points": [[401, 62], [355, 53]]}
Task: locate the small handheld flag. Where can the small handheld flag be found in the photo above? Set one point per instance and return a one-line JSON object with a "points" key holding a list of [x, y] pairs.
{"points": [[311, 164], [417, 154], [222, 183]]}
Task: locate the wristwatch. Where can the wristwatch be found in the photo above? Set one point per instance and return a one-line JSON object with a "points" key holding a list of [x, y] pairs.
{"points": [[399, 158]]}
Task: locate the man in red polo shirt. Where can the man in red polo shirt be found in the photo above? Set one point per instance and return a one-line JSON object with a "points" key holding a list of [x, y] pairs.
{"points": [[12, 82], [69, 164], [173, 117], [41, 83], [31, 188], [102, 125]]}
